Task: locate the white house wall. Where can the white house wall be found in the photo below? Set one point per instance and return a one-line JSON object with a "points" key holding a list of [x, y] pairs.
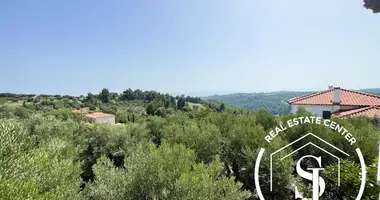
{"points": [[106, 120], [318, 109], [314, 109]]}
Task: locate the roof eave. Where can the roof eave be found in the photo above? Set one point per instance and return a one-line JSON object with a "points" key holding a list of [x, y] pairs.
{"points": [[306, 104]]}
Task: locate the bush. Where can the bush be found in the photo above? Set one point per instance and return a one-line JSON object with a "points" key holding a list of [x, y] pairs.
{"points": [[167, 172], [92, 107], [22, 112], [350, 183], [66, 114], [31, 171], [169, 154], [121, 116]]}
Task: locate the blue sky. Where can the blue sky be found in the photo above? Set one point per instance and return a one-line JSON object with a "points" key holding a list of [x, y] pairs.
{"points": [[191, 47]]}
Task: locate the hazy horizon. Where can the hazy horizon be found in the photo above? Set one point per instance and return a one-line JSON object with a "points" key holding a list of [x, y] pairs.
{"points": [[198, 94]]}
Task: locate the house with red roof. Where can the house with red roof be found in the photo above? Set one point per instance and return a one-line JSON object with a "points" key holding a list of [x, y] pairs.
{"points": [[96, 117], [100, 117], [338, 102]]}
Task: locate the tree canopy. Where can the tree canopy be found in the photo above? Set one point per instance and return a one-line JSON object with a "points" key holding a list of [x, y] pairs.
{"points": [[165, 148], [374, 5]]}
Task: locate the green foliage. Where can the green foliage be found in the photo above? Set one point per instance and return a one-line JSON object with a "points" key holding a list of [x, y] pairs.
{"points": [[105, 96], [138, 94], [161, 111], [107, 108], [92, 108], [66, 114], [156, 129], [158, 108], [376, 121], [121, 116], [151, 108], [163, 149], [167, 172], [91, 98], [204, 139], [7, 111], [350, 183], [204, 182], [274, 102], [266, 120], [222, 107], [113, 141], [181, 103], [3, 101], [242, 139], [30, 171]]}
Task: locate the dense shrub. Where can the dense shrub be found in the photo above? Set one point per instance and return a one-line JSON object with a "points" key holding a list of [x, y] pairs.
{"points": [[30, 171], [171, 151], [167, 172]]}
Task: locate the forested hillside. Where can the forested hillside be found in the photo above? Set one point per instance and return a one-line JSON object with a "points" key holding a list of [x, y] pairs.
{"points": [[375, 91], [164, 148], [274, 102]]}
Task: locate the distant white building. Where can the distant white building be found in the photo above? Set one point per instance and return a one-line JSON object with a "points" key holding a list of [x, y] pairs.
{"points": [[338, 102], [99, 117]]}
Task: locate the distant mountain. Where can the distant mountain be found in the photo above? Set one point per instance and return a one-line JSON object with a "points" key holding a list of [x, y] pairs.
{"points": [[375, 91], [274, 102]]}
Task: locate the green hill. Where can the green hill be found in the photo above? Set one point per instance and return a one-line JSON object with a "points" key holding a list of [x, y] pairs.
{"points": [[274, 102], [375, 91]]}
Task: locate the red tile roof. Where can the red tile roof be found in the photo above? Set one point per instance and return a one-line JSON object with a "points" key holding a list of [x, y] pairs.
{"points": [[347, 97], [371, 111], [98, 115], [302, 97]]}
